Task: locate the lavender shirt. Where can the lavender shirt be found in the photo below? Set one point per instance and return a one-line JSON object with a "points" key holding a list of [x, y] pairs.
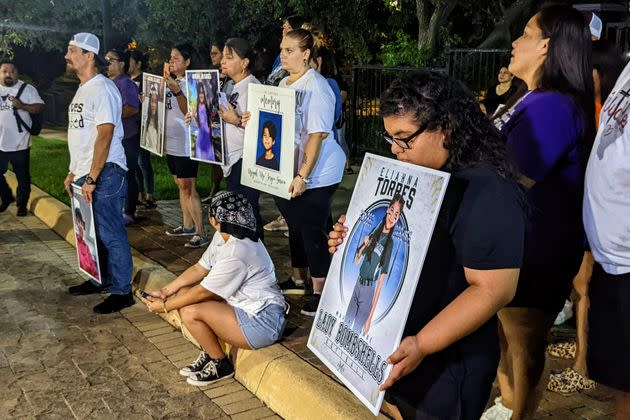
{"points": [[544, 134], [129, 93]]}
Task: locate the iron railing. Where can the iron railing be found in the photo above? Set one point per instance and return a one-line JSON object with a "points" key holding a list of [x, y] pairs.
{"points": [[476, 68]]}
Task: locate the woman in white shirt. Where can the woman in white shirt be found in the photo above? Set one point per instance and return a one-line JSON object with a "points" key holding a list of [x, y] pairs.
{"points": [[319, 168], [183, 169], [231, 294], [236, 64]]}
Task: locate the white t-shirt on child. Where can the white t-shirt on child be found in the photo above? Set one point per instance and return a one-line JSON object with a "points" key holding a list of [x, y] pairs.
{"points": [[242, 273], [315, 113]]}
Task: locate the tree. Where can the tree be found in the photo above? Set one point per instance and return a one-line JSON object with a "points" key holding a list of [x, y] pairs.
{"points": [[432, 15]]}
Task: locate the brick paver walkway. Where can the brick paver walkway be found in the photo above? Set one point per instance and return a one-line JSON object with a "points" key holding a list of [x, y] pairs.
{"points": [[60, 360]]}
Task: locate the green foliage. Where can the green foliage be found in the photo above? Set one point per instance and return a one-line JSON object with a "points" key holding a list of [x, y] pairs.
{"points": [[404, 51]]}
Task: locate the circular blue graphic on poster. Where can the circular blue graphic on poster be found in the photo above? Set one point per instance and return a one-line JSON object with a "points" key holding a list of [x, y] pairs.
{"points": [[374, 264]]}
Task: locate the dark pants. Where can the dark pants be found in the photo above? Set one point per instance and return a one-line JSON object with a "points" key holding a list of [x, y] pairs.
{"points": [[132, 149], [20, 162], [233, 182], [114, 252], [308, 217], [144, 175]]}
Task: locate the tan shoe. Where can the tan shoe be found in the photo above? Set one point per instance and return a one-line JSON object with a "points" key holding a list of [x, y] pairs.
{"points": [[569, 381], [565, 350]]}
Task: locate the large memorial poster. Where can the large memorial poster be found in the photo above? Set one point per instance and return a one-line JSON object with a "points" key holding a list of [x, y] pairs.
{"points": [[374, 273], [153, 114], [205, 132], [269, 150], [85, 235]]}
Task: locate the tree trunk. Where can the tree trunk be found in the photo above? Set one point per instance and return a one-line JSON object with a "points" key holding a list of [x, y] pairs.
{"points": [[429, 27], [501, 35]]}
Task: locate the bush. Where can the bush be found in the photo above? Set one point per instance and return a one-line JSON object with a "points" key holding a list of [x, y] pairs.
{"points": [[404, 51]]}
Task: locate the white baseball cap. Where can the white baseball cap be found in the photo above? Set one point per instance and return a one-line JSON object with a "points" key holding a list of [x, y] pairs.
{"points": [[596, 25], [87, 41]]}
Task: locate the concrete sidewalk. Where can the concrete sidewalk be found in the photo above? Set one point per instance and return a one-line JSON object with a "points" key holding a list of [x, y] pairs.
{"points": [[60, 360]]}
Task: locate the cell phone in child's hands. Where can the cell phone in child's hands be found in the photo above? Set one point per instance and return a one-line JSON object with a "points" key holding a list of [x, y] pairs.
{"points": [[145, 294]]}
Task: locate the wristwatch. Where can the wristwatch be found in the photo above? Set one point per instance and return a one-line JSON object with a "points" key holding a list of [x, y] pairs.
{"points": [[90, 181], [178, 93], [305, 180]]}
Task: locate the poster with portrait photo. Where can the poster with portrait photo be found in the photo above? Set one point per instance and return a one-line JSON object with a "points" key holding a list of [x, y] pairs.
{"points": [[374, 273], [269, 149], [205, 132], [152, 114], [85, 235]]}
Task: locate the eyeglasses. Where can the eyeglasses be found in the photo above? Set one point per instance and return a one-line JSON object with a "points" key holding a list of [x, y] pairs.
{"points": [[406, 142], [111, 60]]}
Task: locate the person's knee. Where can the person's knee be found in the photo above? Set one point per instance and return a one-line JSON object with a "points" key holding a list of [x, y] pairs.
{"points": [[188, 314], [186, 186]]}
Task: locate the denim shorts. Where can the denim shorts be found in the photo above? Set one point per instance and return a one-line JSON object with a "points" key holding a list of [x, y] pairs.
{"points": [[264, 328]]}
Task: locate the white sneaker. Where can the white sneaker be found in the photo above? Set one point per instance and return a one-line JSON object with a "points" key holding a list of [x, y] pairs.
{"points": [[497, 412], [565, 314], [279, 224]]}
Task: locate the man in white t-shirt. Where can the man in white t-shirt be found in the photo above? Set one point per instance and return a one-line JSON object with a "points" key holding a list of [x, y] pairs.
{"points": [[607, 224], [98, 166], [15, 139]]}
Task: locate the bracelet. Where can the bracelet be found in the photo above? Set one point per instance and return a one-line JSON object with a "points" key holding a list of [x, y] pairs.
{"points": [[177, 93]]}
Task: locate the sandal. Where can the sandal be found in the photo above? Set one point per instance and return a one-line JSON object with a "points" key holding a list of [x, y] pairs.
{"points": [[569, 381], [565, 350]]}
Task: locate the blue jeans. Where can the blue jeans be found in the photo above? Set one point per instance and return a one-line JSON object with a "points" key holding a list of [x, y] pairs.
{"points": [[144, 175], [20, 161], [114, 252]]}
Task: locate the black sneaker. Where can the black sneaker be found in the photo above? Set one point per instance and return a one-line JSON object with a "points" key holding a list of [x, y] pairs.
{"points": [[290, 287], [114, 303], [181, 231], [6, 201], [86, 288], [311, 302], [21, 211], [196, 366], [213, 371]]}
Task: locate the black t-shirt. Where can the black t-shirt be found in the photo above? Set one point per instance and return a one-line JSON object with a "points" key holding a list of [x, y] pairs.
{"points": [[268, 163], [480, 226]]}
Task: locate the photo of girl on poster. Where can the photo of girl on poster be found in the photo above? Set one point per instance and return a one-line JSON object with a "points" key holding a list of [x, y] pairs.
{"points": [[201, 118], [150, 139], [374, 253]]}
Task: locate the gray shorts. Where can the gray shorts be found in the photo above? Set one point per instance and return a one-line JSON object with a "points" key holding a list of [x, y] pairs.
{"points": [[264, 328]]}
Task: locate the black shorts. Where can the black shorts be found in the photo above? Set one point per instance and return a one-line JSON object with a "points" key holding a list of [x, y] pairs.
{"points": [[546, 287], [182, 166], [609, 329]]}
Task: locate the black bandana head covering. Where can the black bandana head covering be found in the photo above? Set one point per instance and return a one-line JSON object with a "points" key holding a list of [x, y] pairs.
{"points": [[235, 214]]}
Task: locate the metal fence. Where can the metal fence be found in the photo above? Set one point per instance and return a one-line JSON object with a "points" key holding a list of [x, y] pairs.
{"points": [[619, 33], [476, 68]]}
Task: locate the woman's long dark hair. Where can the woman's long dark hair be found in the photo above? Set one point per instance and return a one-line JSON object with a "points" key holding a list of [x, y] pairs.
{"points": [[442, 102], [568, 67], [376, 233], [609, 62], [152, 118]]}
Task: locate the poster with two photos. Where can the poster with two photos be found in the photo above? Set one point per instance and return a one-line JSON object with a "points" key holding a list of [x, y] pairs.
{"points": [[374, 273]]}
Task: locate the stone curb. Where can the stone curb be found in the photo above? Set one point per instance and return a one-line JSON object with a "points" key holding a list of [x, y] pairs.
{"points": [[287, 384]]}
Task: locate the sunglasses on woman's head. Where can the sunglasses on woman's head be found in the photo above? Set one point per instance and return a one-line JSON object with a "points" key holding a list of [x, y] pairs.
{"points": [[405, 142]]}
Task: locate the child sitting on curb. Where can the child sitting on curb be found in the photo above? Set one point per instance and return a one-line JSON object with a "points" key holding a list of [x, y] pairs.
{"points": [[230, 294]]}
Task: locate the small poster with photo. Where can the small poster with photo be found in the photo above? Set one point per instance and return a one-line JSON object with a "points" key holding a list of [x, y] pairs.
{"points": [[153, 114], [374, 273], [269, 150], [205, 132], [85, 235]]}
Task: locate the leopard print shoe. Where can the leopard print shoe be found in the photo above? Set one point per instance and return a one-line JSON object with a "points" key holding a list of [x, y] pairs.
{"points": [[562, 350], [569, 381]]}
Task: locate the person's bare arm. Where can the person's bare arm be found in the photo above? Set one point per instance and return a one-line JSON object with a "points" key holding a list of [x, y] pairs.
{"points": [[104, 134], [30, 108], [129, 111]]}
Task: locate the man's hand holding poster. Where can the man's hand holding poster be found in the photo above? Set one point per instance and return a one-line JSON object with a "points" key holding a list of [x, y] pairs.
{"points": [[374, 273]]}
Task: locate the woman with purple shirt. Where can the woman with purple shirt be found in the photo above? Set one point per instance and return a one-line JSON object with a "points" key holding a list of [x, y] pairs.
{"points": [[117, 71], [548, 131]]}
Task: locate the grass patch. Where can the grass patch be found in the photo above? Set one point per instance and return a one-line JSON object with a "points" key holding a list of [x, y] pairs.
{"points": [[50, 160]]}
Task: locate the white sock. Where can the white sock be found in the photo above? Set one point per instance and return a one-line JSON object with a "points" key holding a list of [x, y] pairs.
{"points": [[297, 281]]}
